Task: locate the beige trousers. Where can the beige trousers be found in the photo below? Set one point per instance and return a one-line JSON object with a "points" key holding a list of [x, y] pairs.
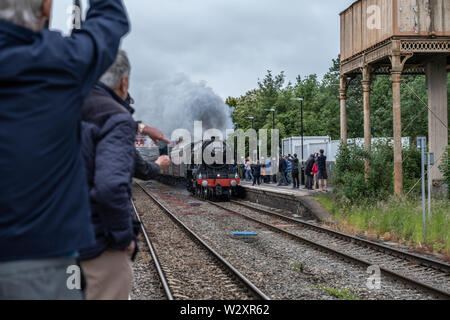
{"points": [[109, 276]]}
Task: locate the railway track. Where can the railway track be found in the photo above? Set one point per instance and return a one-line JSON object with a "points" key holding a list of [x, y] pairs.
{"points": [[426, 274], [187, 266], [155, 258]]}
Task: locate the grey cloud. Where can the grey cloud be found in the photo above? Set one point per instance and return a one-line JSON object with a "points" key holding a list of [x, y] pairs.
{"points": [[229, 44]]}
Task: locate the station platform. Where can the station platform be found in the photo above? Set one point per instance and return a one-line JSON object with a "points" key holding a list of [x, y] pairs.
{"points": [[282, 189], [300, 202]]}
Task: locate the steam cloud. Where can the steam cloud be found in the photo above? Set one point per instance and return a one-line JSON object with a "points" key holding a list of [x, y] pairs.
{"points": [[177, 102]]}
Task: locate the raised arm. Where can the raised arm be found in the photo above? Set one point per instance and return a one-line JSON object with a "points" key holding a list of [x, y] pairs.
{"points": [[93, 48]]}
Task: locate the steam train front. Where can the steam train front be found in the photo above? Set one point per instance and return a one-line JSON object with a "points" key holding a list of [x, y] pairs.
{"points": [[214, 179]]}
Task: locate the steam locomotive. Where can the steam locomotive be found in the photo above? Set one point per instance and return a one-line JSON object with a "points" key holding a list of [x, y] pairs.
{"points": [[210, 180], [214, 180]]}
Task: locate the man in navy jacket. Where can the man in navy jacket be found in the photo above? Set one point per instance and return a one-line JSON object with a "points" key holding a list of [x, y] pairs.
{"points": [[44, 202], [282, 166], [109, 133]]}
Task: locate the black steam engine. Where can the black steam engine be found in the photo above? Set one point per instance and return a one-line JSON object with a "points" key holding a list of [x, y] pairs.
{"points": [[213, 179]]}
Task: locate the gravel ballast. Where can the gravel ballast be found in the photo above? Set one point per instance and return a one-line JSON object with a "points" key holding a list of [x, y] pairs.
{"points": [[280, 266]]}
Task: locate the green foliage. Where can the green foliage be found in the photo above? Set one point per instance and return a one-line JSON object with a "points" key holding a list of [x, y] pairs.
{"points": [[321, 105], [297, 266], [400, 219], [342, 294], [349, 178], [445, 168], [411, 170]]}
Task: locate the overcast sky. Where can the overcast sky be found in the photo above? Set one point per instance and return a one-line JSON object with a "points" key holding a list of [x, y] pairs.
{"points": [[229, 44]]}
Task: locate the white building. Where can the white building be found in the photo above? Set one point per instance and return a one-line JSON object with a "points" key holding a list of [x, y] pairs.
{"points": [[312, 145]]}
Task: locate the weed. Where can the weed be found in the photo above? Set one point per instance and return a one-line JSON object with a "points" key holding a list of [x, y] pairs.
{"points": [[342, 294]]}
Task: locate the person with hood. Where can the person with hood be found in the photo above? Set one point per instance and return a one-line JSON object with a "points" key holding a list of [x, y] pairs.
{"points": [[309, 172]]}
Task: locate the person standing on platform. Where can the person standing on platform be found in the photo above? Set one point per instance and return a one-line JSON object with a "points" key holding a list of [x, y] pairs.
{"points": [[309, 172], [268, 169], [316, 171], [282, 168], [322, 171], [248, 170], [288, 168], [263, 170], [256, 168], [295, 171], [45, 214], [274, 166]]}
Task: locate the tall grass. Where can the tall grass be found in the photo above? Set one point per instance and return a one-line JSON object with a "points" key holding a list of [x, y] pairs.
{"points": [[397, 220]]}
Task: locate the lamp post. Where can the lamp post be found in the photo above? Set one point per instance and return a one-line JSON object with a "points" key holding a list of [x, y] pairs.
{"points": [[301, 123], [302, 134], [273, 128]]}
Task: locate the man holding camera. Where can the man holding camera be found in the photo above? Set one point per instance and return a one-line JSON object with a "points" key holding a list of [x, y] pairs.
{"points": [[44, 201]]}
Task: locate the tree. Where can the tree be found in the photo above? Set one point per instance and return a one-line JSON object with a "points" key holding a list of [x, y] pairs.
{"points": [[321, 105]]}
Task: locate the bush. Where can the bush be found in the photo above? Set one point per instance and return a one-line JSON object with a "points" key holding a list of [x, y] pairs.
{"points": [[445, 168], [349, 179], [412, 160], [349, 175]]}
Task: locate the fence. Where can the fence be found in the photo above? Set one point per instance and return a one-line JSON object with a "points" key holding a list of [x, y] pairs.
{"points": [[312, 145]]}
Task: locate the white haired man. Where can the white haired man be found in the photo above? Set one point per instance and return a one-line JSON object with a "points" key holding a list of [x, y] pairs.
{"points": [[44, 202], [109, 133]]}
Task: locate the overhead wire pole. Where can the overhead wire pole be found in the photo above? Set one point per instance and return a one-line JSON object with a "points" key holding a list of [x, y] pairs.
{"points": [[422, 142]]}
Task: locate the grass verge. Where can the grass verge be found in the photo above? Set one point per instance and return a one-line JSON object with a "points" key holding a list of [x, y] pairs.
{"points": [[398, 220]]}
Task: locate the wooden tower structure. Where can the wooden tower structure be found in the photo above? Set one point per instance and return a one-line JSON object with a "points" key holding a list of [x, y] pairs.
{"points": [[398, 37]]}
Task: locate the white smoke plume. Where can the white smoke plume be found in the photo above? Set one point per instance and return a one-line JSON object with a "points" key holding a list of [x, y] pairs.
{"points": [[177, 102]]}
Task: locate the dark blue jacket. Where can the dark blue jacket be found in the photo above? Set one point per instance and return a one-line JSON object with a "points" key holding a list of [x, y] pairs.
{"points": [[282, 165], [109, 134], [44, 79], [322, 162], [295, 164], [256, 169]]}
